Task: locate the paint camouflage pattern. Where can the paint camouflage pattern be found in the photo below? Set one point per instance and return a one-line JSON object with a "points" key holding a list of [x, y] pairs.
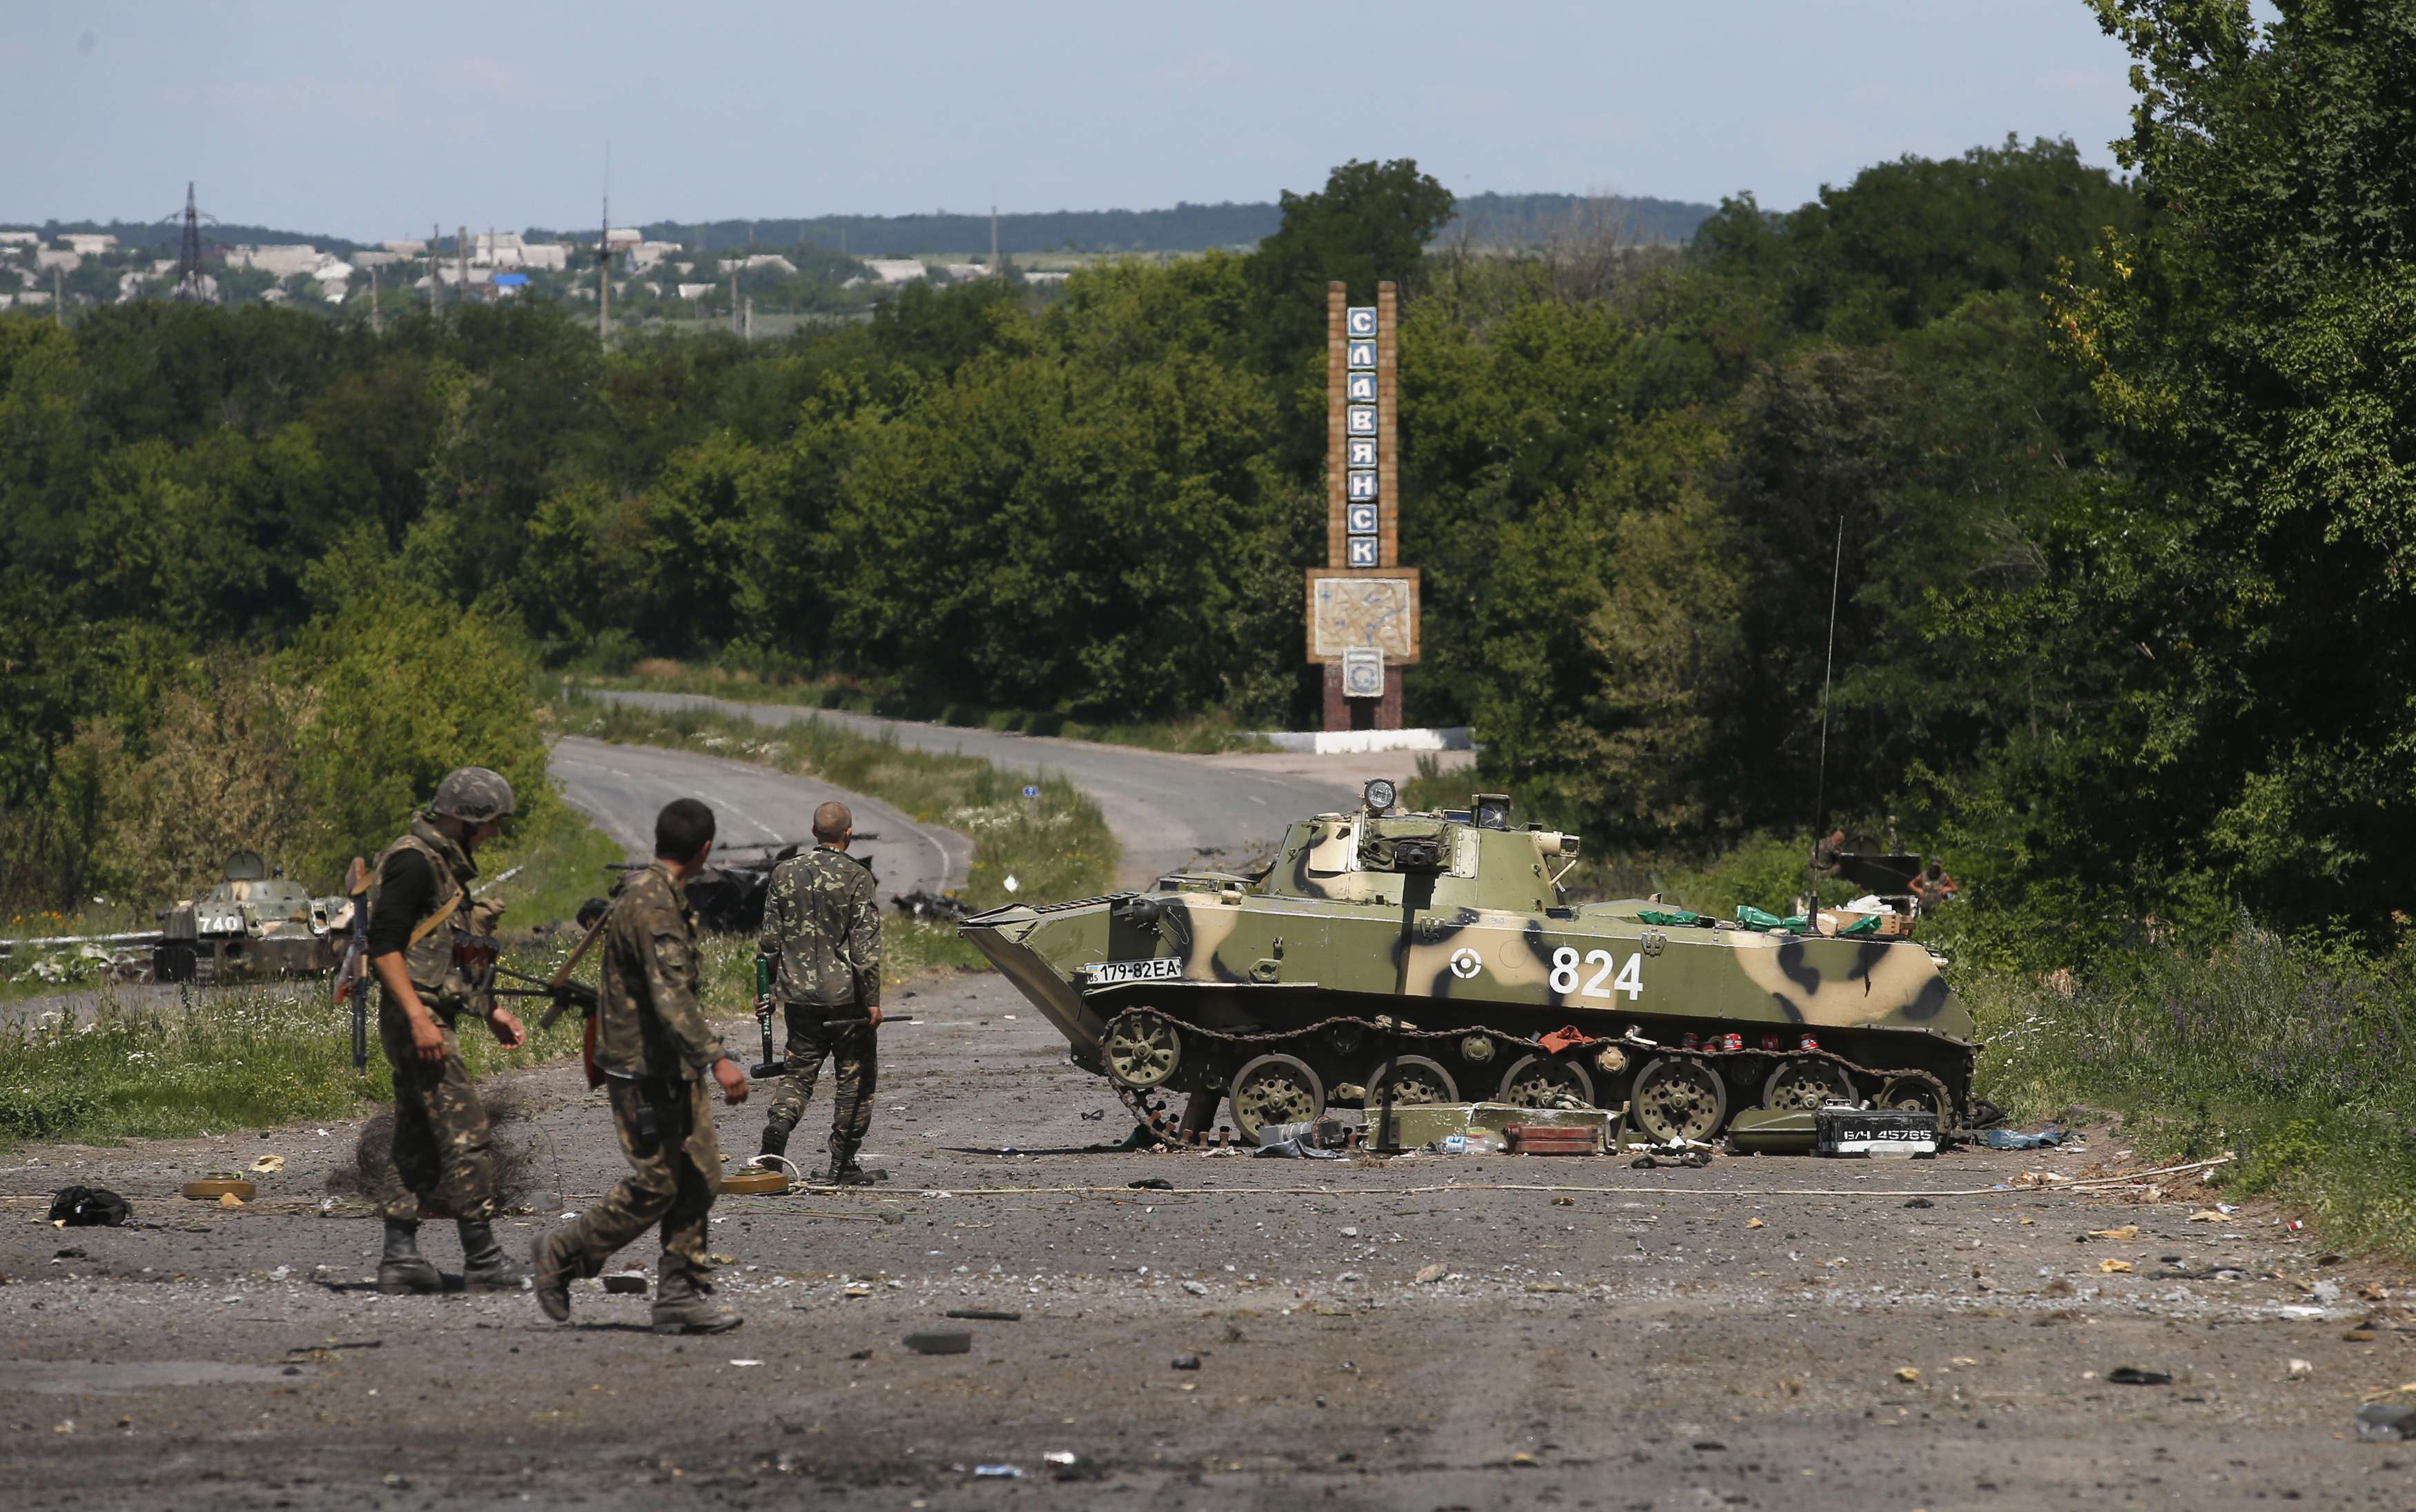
{"points": [[1480, 940], [822, 925], [444, 1146]]}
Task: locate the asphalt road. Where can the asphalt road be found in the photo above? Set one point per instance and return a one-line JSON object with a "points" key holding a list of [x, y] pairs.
{"points": [[1419, 1333], [622, 787], [1164, 809]]}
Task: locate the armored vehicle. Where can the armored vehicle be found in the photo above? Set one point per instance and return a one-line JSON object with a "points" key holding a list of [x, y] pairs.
{"points": [[1388, 958], [255, 922]]}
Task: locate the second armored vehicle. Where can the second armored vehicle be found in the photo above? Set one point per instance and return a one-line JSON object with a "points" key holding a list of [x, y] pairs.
{"points": [[255, 922], [1393, 958]]}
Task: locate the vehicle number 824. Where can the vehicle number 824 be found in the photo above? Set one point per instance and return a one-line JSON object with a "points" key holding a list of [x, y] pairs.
{"points": [[1596, 974]]}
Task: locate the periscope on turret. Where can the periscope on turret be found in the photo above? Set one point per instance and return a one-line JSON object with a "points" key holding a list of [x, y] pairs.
{"points": [[1434, 957]]}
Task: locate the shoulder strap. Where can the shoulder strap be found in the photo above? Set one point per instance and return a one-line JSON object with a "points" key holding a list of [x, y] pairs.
{"points": [[437, 867]]}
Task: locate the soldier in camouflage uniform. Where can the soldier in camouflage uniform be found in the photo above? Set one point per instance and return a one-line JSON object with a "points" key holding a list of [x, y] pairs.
{"points": [[443, 1152], [822, 929], [658, 1054]]}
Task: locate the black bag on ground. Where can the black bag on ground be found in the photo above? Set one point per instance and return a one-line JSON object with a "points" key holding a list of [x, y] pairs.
{"points": [[85, 1207]]}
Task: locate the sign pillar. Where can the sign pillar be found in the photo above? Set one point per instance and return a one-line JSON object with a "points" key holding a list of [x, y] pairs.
{"points": [[1362, 604]]}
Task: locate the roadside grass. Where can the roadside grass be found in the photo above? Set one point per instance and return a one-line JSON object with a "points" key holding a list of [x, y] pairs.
{"points": [[1207, 733], [2298, 1055], [220, 1058], [1053, 845]]}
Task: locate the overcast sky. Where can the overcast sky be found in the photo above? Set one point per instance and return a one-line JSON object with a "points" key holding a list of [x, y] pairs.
{"points": [[374, 123]]}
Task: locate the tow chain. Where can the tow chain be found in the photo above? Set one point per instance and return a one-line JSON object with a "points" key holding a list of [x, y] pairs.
{"points": [[1148, 1104]]}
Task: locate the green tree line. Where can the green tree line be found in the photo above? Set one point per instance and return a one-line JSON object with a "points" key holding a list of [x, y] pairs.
{"points": [[2110, 473]]}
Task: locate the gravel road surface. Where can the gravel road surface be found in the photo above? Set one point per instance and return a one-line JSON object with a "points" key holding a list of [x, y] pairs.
{"points": [[1164, 808], [1776, 1332]]}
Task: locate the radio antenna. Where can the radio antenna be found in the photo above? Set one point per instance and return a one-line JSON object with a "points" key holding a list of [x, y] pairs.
{"points": [[1828, 673]]}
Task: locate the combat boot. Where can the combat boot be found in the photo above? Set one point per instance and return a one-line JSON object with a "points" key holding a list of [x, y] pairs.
{"points": [[484, 1267], [401, 1269], [776, 1144], [682, 1304], [843, 1171], [552, 1278]]}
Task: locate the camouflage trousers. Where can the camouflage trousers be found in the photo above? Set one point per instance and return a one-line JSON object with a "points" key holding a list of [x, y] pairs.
{"points": [[856, 1058], [444, 1148], [667, 1135]]}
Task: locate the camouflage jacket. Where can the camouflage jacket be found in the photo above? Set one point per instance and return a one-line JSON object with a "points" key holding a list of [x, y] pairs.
{"points": [[647, 1019], [430, 960], [822, 927]]}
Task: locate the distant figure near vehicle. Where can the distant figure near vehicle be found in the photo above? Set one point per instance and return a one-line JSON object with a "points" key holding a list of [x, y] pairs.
{"points": [[821, 931], [655, 1055], [444, 1148]]}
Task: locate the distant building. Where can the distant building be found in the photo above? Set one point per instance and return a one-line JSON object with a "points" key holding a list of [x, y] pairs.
{"points": [[283, 261], [623, 238], [413, 250], [646, 254], [274, 296], [1046, 275], [763, 259], [21, 238], [963, 271], [369, 260], [90, 245], [50, 257], [696, 291], [895, 269], [553, 257]]}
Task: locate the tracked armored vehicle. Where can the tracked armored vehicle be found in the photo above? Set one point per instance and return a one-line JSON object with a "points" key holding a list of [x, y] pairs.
{"points": [[255, 922], [1388, 958]]}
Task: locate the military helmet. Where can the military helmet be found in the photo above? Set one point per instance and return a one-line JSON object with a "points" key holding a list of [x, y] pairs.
{"points": [[473, 793]]}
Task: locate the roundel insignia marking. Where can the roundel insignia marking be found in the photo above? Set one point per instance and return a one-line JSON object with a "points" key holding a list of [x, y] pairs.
{"points": [[1465, 963]]}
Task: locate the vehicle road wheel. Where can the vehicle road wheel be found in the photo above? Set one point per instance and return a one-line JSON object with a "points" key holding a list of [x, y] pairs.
{"points": [[1539, 1081], [1679, 1098], [1805, 1084], [1140, 1051], [1414, 1082], [1276, 1089], [1909, 1093]]}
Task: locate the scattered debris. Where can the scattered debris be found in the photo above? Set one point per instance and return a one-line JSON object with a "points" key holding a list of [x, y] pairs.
{"points": [[2207, 1215], [941, 1341], [743, 1363], [631, 1284], [1000, 1472], [2131, 1375], [1908, 1375], [2115, 1268], [269, 1165], [1150, 1184], [1430, 1274], [2382, 1422], [2007, 1139], [1185, 1362], [228, 1199], [1195, 1288], [1753, 1224], [1921, 1202], [2299, 1368], [984, 1314], [2128, 1231], [84, 1207], [1062, 1462]]}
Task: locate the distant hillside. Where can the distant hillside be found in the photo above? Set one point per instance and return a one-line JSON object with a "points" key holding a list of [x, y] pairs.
{"points": [[163, 236], [1492, 219]]}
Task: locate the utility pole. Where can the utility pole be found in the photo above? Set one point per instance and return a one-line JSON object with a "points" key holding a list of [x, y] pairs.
{"points": [[604, 279], [58, 297], [734, 304], [435, 272], [993, 240], [377, 327], [461, 256]]}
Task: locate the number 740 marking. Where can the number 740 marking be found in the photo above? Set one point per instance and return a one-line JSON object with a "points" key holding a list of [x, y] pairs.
{"points": [[1600, 983]]}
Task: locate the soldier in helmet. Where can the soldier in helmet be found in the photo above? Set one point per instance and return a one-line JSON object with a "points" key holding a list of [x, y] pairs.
{"points": [[822, 929], [444, 1149]]}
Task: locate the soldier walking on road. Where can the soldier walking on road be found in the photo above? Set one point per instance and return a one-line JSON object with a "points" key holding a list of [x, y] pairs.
{"points": [[822, 929], [658, 1055], [443, 1148]]}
